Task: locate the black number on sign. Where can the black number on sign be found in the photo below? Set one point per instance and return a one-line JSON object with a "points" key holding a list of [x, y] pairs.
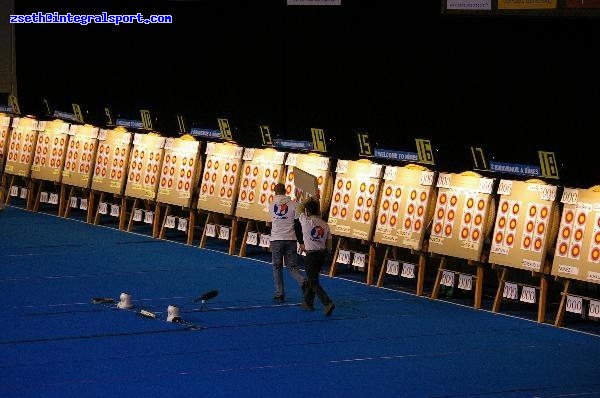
{"points": [[478, 158], [424, 151], [364, 145], [225, 129], [266, 135], [146, 119], [548, 164], [318, 138]]}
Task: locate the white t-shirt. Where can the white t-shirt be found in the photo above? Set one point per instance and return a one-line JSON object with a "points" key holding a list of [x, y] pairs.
{"points": [[283, 213], [315, 232]]}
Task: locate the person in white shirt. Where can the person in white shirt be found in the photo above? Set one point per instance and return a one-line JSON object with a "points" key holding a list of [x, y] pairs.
{"points": [[285, 232], [317, 243]]}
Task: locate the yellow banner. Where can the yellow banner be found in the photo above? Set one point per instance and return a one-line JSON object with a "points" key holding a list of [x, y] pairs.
{"points": [[526, 4]]}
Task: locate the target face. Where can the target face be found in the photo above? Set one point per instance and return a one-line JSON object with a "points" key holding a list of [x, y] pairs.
{"points": [[20, 148], [50, 149], [177, 173]]}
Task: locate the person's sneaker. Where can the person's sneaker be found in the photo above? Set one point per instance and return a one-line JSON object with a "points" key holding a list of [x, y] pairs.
{"points": [[278, 299], [307, 307], [329, 308]]}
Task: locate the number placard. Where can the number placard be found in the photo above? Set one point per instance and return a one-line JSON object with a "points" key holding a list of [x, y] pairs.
{"points": [[265, 240], [252, 238], [344, 257], [341, 167], [505, 187], [14, 190], [359, 260], [210, 230], [570, 196], [447, 278], [73, 202], [408, 271], [137, 214], [486, 185], [23, 195], [426, 178], [224, 233], [52, 200], [465, 282], [114, 210], [390, 173], [594, 310], [444, 180], [574, 304], [248, 154], [548, 193], [44, 197], [510, 291], [528, 294], [170, 222], [182, 224], [83, 204], [392, 267], [375, 171], [148, 217], [103, 208]]}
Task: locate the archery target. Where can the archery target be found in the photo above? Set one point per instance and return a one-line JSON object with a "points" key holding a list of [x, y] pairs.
{"points": [[445, 214]]}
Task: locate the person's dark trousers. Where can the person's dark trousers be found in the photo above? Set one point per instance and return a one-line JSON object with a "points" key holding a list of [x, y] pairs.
{"points": [[312, 264]]}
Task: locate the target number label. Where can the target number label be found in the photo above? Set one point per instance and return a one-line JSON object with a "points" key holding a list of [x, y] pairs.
{"points": [[574, 304], [570, 196], [114, 210], [364, 145], [44, 197], [252, 238], [548, 193], [103, 207], [73, 202], [182, 224], [318, 139], [486, 185], [341, 167], [393, 267], [528, 295], [343, 257], [408, 271], [426, 178], [170, 222], [148, 217], [447, 279], [83, 204], [443, 180], [359, 260], [210, 230], [505, 187], [594, 309], [390, 173], [465, 282], [510, 291], [265, 240], [424, 151], [224, 233]]}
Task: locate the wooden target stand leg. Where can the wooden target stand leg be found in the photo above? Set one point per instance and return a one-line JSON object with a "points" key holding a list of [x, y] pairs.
{"points": [[3, 189], [62, 201], [420, 272], [478, 283], [249, 226], [191, 226], [543, 288], [560, 315], [131, 213], [341, 243], [98, 215], [8, 187], [91, 206], [371, 263], [37, 194], [436, 287], [217, 220], [67, 211]]}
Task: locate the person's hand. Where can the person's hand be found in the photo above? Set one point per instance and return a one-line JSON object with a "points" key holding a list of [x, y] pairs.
{"points": [[302, 248]]}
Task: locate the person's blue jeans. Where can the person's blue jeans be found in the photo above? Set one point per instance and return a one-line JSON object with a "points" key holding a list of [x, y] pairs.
{"points": [[285, 251]]}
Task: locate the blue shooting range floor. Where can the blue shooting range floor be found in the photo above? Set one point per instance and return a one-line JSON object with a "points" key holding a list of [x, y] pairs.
{"points": [[378, 342]]}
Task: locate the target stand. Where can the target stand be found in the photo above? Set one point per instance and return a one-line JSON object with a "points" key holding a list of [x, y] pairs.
{"points": [[215, 227], [18, 187], [342, 255], [78, 198], [168, 220], [253, 235], [447, 277], [406, 271], [522, 291], [116, 209]]}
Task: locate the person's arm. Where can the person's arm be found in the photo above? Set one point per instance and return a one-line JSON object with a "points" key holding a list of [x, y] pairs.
{"points": [[298, 231], [300, 206]]}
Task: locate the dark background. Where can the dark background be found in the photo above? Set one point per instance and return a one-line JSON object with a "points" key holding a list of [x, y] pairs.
{"points": [[395, 70]]}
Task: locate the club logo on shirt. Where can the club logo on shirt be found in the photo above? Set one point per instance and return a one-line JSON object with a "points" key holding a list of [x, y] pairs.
{"points": [[280, 210], [317, 233]]}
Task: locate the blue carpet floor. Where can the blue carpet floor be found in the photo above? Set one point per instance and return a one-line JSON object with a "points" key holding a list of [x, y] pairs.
{"points": [[54, 342]]}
